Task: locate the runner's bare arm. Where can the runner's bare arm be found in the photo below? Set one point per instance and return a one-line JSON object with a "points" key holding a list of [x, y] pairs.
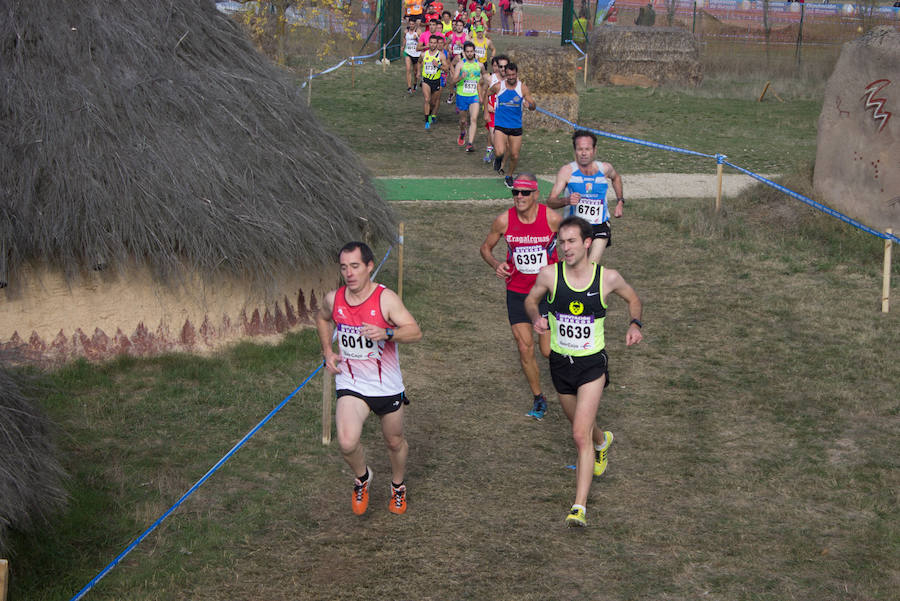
{"points": [[562, 178], [613, 282], [616, 181], [498, 228], [325, 329], [406, 329], [526, 94], [538, 291]]}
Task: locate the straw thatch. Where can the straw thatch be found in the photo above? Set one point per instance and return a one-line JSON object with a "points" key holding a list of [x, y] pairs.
{"points": [[564, 105], [545, 70], [153, 133], [658, 54], [30, 474], [550, 76]]}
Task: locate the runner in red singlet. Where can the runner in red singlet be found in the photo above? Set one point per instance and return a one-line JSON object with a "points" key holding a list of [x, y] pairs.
{"points": [[370, 320], [529, 229]]}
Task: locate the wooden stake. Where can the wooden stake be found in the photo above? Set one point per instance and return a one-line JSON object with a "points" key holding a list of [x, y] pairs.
{"points": [[384, 61], [765, 89], [585, 68], [886, 277], [326, 407], [308, 94], [4, 578], [400, 263], [718, 187], [352, 73]]}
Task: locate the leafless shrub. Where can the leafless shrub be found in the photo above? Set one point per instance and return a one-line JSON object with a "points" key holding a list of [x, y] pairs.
{"points": [[30, 474]]}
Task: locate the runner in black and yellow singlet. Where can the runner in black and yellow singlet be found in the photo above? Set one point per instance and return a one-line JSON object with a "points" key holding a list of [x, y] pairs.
{"points": [[433, 64], [576, 290]]}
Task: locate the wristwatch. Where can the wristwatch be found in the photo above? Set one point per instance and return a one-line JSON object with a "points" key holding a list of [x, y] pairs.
{"points": [[389, 333], [636, 322]]}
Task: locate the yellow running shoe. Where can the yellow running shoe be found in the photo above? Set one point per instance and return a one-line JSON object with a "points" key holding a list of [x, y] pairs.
{"points": [[360, 499], [576, 517], [398, 499], [600, 458]]}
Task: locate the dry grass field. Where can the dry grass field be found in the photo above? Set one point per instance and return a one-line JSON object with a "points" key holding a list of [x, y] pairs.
{"points": [[756, 426]]}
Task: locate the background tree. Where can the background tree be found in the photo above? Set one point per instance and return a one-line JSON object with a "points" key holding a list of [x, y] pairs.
{"points": [[271, 21]]}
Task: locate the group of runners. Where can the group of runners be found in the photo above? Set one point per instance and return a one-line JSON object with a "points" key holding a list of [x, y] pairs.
{"points": [[555, 287], [455, 52]]}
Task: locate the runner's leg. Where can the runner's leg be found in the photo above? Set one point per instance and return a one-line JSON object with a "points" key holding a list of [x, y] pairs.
{"points": [[522, 332], [350, 415], [398, 448]]}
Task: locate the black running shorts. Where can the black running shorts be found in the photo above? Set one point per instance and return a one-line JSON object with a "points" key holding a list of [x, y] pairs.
{"points": [[515, 307], [602, 230], [380, 405], [568, 373]]}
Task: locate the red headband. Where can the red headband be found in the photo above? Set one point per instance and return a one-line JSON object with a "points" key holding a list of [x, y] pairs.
{"points": [[525, 184]]}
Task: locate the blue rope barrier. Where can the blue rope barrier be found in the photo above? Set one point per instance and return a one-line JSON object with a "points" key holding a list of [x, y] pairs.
{"points": [[349, 58], [197, 485], [627, 139], [816, 205], [720, 160]]}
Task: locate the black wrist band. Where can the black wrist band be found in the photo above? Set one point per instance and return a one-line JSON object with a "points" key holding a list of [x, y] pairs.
{"points": [[622, 200], [637, 322]]}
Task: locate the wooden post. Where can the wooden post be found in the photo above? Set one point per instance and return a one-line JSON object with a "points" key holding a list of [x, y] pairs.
{"points": [[384, 61], [4, 578], [718, 187], [352, 73], [326, 407], [308, 94], [400, 263], [885, 280], [585, 68], [765, 89]]}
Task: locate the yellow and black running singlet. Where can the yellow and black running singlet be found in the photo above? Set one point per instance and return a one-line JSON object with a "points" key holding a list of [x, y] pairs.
{"points": [[431, 65], [576, 316]]}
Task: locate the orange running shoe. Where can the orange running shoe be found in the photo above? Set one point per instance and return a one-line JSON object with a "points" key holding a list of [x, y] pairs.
{"points": [[360, 500], [398, 499]]}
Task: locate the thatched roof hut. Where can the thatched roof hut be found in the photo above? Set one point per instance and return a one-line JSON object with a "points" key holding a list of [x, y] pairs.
{"points": [[644, 56], [148, 150]]}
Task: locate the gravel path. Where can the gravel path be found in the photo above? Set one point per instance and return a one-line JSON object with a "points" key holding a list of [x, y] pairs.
{"points": [[679, 185]]}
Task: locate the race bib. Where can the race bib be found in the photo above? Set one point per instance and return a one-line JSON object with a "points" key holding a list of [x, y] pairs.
{"points": [[470, 86], [575, 332], [354, 345], [411, 45], [480, 51], [457, 49], [430, 68], [590, 209], [529, 259]]}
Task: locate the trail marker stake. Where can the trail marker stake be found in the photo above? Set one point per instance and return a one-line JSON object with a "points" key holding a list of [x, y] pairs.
{"points": [[718, 187], [886, 277], [4, 578], [308, 94], [326, 407], [400, 262]]}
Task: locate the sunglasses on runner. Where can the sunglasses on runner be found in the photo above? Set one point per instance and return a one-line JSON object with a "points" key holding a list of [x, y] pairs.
{"points": [[521, 193], [503, 66]]}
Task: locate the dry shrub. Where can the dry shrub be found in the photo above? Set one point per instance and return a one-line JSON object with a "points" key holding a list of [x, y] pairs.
{"points": [[30, 474], [662, 54]]}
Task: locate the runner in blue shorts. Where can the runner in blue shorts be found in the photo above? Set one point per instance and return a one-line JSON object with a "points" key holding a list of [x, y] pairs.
{"points": [[468, 74]]}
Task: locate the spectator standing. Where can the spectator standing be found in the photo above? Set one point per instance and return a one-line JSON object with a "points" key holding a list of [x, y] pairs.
{"points": [[518, 16], [505, 16]]}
